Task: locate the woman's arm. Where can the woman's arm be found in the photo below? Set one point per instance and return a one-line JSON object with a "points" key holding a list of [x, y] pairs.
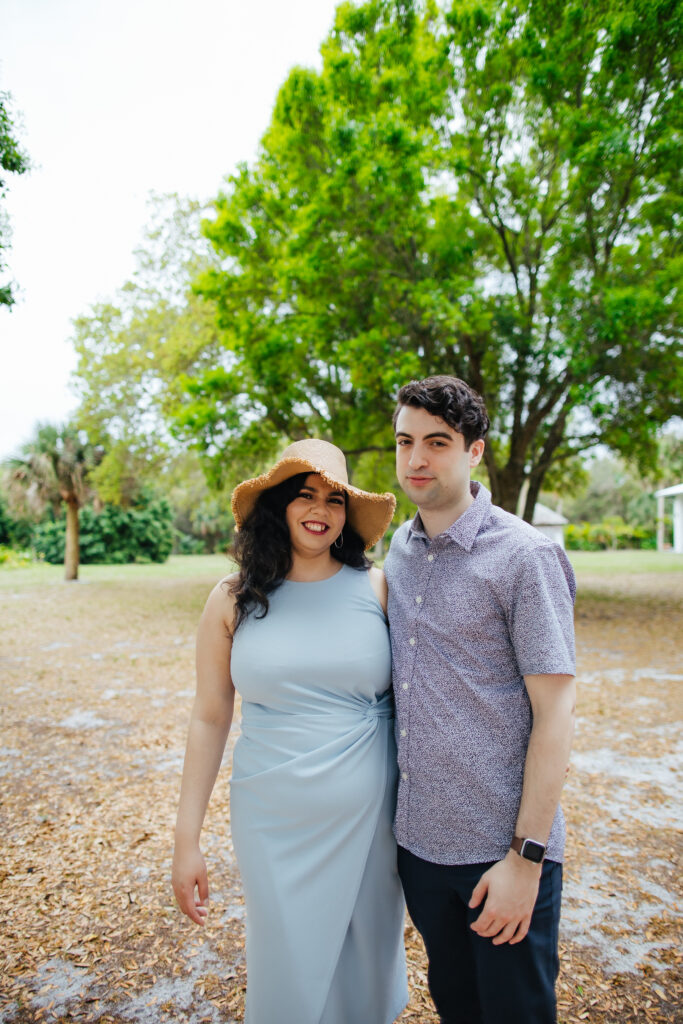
{"points": [[209, 727]]}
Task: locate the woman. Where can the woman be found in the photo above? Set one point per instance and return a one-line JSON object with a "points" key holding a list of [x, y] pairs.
{"points": [[301, 633]]}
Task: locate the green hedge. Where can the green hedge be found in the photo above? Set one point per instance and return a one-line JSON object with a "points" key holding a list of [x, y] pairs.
{"points": [[113, 536], [611, 534]]}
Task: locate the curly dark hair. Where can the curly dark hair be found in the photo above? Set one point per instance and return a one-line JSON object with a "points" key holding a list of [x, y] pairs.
{"points": [[450, 398], [263, 552]]}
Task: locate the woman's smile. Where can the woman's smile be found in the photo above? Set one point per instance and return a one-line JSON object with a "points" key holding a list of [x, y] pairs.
{"points": [[315, 527]]}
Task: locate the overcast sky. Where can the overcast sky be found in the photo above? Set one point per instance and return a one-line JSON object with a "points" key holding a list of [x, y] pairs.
{"points": [[119, 99]]}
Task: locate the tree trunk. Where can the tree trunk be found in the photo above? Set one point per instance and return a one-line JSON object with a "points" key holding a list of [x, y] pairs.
{"points": [[506, 486], [535, 484], [71, 552]]}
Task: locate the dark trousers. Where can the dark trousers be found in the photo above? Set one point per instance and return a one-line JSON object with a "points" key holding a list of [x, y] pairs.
{"points": [[472, 981]]}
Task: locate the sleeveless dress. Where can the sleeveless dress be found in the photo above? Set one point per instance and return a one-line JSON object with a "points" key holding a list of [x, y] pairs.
{"points": [[312, 798]]}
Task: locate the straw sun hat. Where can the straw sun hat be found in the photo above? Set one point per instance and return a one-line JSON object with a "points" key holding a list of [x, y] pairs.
{"points": [[369, 514]]}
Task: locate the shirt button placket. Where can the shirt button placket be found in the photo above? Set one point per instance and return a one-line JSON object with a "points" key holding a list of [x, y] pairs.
{"points": [[412, 640]]}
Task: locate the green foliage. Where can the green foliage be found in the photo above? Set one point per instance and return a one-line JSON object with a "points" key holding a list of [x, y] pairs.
{"points": [[134, 351], [203, 519], [489, 188], [11, 558], [14, 532], [320, 291], [53, 467], [615, 508], [610, 534], [492, 193], [612, 488], [113, 535], [666, 469], [186, 544], [14, 161]]}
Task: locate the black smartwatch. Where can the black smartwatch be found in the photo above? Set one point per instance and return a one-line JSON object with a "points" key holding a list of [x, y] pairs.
{"points": [[530, 849]]}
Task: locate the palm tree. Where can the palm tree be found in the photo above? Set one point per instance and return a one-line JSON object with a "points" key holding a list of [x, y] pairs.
{"points": [[54, 468]]}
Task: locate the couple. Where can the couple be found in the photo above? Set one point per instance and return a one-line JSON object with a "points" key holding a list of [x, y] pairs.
{"points": [[480, 609]]}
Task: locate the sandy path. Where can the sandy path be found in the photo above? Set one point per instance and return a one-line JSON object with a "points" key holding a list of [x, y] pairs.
{"points": [[95, 686]]}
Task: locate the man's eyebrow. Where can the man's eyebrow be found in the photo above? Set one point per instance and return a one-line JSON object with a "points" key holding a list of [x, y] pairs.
{"points": [[427, 437]]}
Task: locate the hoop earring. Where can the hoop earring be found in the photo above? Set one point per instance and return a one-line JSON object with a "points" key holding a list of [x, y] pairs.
{"points": [[339, 542]]}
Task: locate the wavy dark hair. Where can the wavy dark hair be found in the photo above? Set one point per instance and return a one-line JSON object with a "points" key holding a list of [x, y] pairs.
{"points": [[263, 550], [450, 398]]}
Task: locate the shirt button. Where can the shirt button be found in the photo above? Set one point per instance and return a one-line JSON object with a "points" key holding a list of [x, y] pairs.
{"points": [[404, 732], [418, 599], [430, 558], [405, 686], [412, 641], [404, 776]]}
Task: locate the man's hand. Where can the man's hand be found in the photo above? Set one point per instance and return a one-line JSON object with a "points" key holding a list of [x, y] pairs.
{"points": [[510, 889]]}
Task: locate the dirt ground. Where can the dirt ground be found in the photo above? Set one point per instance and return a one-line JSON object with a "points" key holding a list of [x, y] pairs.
{"points": [[96, 682]]}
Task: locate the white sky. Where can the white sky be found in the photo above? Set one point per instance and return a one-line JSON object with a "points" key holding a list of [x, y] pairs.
{"points": [[120, 98]]}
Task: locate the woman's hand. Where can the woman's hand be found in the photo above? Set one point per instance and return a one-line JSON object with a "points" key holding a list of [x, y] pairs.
{"points": [[191, 883]]}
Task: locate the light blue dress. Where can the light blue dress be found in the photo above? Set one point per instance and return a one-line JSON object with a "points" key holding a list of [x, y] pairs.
{"points": [[312, 798]]}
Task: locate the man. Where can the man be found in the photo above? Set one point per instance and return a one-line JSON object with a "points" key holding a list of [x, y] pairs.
{"points": [[481, 615]]}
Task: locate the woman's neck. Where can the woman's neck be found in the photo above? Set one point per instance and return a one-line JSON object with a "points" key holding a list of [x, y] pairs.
{"points": [[311, 570]]}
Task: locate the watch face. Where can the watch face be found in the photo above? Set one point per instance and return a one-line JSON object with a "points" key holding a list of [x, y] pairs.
{"points": [[533, 851]]}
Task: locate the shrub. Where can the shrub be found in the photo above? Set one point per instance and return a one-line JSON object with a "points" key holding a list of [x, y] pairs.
{"points": [[186, 544], [16, 533], [113, 535], [12, 559], [610, 534]]}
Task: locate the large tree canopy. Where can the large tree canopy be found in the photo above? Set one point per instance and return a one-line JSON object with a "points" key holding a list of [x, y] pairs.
{"points": [[13, 161], [490, 189]]}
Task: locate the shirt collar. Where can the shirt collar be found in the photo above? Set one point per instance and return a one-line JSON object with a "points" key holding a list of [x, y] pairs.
{"points": [[466, 527]]}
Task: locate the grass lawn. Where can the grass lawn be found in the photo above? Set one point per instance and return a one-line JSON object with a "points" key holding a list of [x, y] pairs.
{"points": [[213, 567], [198, 567], [625, 562]]}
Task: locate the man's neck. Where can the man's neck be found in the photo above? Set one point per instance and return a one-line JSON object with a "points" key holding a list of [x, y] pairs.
{"points": [[436, 521]]}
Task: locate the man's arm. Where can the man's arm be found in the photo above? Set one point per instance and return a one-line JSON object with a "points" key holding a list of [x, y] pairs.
{"points": [[510, 887]]}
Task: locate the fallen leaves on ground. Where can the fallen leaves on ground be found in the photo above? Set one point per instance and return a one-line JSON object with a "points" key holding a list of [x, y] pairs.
{"points": [[97, 682]]}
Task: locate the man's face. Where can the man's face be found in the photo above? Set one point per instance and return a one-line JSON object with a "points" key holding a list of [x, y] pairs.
{"points": [[432, 464]]}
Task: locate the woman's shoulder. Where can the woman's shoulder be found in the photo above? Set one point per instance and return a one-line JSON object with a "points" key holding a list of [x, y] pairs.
{"points": [[379, 585], [221, 601]]}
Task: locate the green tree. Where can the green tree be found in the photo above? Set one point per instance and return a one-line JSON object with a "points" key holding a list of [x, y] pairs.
{"points": [[567, 150], [54, 468], [13, 160], [326, 291], [612, 488], [490, 190], [133, 351]]}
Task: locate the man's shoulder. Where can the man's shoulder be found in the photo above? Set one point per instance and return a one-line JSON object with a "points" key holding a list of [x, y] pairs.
{"points": [[512, 531], [400, 536], [526, 550], [404, 529]]}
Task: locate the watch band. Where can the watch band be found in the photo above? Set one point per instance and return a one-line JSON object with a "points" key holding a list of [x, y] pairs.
{"points": [[530, 849]]}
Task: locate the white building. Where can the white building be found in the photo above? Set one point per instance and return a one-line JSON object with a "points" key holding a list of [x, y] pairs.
{"points": [[675, 492], [550, 523]]}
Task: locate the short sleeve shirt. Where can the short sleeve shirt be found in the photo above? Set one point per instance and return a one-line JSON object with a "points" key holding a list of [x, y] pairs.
{"points": [[471, 612]]}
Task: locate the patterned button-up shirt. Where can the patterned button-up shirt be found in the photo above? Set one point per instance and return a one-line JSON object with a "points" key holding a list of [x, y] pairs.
{"points": [[471, 612]]}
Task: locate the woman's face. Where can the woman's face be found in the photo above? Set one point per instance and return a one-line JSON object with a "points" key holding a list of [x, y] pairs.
{"points": [[316, 516]]}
